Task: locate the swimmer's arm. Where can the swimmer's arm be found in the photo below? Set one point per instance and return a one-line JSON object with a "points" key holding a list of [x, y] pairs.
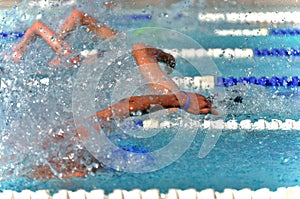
{"points": [[78, 18], [127, 106], [147, 58], [198, 105]]}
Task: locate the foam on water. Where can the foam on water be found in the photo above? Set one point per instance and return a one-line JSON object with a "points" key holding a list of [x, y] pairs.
{"points": [[261, 102], [34, 112]]}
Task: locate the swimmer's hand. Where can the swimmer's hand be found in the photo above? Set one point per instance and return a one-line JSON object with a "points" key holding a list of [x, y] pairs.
{"points": [[57, 61], [18, 51], [197, 104], [14, 56]]}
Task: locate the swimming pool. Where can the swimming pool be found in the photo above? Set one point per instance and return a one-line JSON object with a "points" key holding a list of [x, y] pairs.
{"points": [[252, 158]]}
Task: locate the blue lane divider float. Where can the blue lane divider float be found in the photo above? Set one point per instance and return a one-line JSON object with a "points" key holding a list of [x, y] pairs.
{"points": [[286, 31], [11, 35], [209, 82], [137, 17], [276, 52], [262, 81]]}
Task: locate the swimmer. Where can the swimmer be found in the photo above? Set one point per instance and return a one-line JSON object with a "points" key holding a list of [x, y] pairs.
{"points": [[56, 40], [168, 94]]}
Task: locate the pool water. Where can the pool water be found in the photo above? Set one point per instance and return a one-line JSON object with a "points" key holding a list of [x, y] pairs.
{"points": [[240, 158]]}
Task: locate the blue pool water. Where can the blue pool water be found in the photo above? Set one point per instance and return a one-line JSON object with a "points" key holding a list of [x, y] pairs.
{"points": [[241, 158]]}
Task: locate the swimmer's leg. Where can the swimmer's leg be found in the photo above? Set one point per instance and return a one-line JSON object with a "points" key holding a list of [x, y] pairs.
{"points": [[147, 59], [40, 29], [78, 18]]}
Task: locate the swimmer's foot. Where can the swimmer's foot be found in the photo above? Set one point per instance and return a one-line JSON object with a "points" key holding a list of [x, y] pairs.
{"points": [[18, 55]]}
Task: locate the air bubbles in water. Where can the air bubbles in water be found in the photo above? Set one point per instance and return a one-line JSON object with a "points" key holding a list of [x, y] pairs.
{"points": [[257, 101]]}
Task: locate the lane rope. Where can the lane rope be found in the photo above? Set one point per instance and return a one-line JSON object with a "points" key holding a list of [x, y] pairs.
{"points": [[281, 192], [251, 17], [247, 124], [218, 32], [258, 32], [234, 53], [201, 82], [133, 17], [210, 82]]}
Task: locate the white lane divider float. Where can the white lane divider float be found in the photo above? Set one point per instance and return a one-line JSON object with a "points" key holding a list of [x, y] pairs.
{"points": [[196, 83], [280, 193], [238, 53], [251, 17], [247, 124], [242, 32], [227, 53]]}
